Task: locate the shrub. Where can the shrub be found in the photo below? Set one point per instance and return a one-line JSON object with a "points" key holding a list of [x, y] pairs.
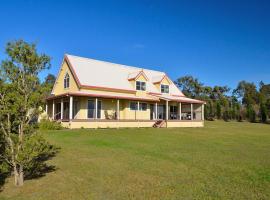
{"points": [[46, 124]]}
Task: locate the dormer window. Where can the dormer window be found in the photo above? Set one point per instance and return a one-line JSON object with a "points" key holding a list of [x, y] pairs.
{"points": [[140, 85], [66, 81], [164, 88]]}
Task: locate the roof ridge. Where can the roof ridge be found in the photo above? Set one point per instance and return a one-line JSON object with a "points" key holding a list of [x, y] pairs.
{"points": [[120, 65]]}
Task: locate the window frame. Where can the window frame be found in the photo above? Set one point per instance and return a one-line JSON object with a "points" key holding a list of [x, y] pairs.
{"points": [[164, 88], [99, 114], [66, 81], [141, 86], [135, 108], [141, 107]]}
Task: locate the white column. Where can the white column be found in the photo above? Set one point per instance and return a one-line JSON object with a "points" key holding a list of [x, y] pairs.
{"points": [[117, 110], [62, 108], [191, 110], [167, 110], [180, 111], [137, 111], [70, 107], [96, 108], [202, 111], [53, 110], [156, 114], [46, 108]]}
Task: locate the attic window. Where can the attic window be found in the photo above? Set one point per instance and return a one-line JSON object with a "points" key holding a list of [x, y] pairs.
{"points": [[164, 88], [66, 81], [140, 85]]}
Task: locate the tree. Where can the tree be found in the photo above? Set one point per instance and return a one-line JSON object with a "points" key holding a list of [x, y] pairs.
{"points": [[218, 113], [190, 86], [19, 104], [46, 88], [248, 92]]}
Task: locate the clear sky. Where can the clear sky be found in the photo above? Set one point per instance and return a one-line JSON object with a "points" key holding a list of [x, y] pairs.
{"points": [[220, 42]]}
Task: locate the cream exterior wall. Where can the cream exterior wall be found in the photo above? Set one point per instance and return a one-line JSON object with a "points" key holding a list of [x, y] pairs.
{"points": [[59, 84], [128, 124]]}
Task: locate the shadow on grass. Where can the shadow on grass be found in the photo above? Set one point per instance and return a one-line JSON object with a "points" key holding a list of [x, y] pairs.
{"points": [[41, 168], [38, 169]]}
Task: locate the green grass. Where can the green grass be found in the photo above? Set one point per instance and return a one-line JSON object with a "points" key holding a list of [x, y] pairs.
{"points": [[221, 161]]}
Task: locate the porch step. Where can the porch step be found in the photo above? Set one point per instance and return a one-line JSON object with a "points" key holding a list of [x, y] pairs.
{"points": [[159, 124]]}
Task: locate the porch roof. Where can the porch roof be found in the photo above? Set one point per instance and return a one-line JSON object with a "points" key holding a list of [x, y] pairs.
{"points": [[150, 97], [178, 98], [108, 96]]}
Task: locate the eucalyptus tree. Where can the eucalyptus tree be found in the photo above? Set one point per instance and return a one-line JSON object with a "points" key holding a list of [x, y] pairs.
{"points": [[20, 99]]}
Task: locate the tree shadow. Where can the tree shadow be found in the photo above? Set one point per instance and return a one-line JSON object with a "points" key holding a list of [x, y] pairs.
{"points": [[41, 168], [37, 170]]}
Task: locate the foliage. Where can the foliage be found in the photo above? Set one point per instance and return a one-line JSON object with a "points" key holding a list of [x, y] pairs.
{"points": [[46, 124], [245, 102], [20, 99], [36, 151]]}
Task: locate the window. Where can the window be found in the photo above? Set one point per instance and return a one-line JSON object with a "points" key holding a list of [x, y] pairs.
{"points": [[66, 81], [134, 106], [91, 109], [164, 88], [140, 85], [143, 106]]}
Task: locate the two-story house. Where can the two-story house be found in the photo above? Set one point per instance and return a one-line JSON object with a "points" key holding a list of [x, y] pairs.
{"points": [[96, 94]]}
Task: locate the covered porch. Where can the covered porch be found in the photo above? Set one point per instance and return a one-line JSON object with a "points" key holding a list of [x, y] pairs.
{"points": [[94, 111]]}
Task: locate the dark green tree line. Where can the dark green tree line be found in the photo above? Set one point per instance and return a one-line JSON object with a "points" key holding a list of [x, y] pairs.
{"points": [[245, 102]]}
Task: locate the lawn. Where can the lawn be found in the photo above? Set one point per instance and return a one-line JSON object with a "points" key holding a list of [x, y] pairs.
{"points": [[221, 161]]}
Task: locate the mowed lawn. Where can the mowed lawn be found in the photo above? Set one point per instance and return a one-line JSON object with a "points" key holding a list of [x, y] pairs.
{"points": [[221, 161]]}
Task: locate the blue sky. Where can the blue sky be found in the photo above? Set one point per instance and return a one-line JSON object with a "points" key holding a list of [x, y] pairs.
{"points": [[219, 42]]}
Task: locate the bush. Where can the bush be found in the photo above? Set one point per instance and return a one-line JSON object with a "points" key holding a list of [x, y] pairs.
{"points": [[36, 151], [46, 124]]}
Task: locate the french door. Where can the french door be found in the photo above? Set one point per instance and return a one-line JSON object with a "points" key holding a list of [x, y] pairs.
{"points": [[91, 109]]}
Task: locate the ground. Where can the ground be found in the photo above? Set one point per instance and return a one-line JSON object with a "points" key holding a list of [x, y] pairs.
{"points": [[224, 160]]}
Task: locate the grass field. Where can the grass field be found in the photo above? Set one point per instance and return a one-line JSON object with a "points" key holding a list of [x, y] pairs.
{"points": [[221, 161]]}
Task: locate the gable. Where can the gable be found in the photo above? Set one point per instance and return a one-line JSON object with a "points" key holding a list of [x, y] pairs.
{"points": [[59, 83], [165, 81]]}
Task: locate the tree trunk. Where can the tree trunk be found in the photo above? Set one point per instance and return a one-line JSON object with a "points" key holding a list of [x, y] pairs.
{"points": [[18, 176]]}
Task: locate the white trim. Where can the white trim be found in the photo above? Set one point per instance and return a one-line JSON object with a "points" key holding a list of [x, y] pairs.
{"points": [[165, 92], [68, 80], [62, 109], [71, 107], [140, 85]]}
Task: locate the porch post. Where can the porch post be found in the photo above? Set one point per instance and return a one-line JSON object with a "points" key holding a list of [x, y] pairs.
{"points": [[191, 110], [180, 111], [70, 107], [96, 107], [167, 110], [46, 107], [117, 110], [62, 108], [202, 111], [136, 111], [156, 114], [53, 110]]}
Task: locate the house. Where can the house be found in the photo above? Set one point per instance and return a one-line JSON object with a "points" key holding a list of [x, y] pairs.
{"points": [[96, 94]]}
